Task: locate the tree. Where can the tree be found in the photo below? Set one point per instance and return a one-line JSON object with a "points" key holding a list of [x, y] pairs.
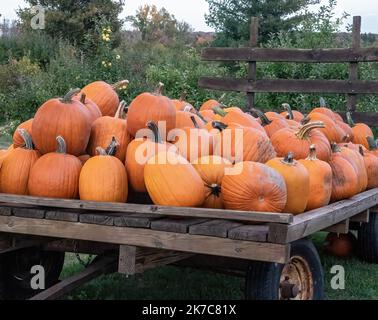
{"points": [[231, 18], [158, 24], [75, 20]]}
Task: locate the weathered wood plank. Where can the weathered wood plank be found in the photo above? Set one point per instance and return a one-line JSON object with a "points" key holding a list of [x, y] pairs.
{"points": [[81, 246], [97, 219], [214, 228], [29, 213], [290, 85], [315, 220], [105, 265], [175, 225], [62, 216], [291, 55], [257, 233], [5, 211], [341, 227], [361, 217], [148, 209], [252, 66], [127, 259], [135, 220], [148, 238]]}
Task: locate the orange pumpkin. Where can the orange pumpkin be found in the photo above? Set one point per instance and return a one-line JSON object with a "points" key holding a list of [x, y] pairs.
{"points": [[297, 181], [331, 130], [210, 104], [15, 168], [172, 181], [151, 107], [104, 128], [237, 144], [138, 153], [371, 166], [66, 117], [291, 114], [208, 115], [18, 140], [320, 174], [181, 104], [373, 146], [93, 109], [340, 245], [299, 141], [184, 119], [274, 115], [103, 177], [104, 95], [360, 131], [241, 192], [270, 126], [84, 158], [56, 174], [212, 170]]}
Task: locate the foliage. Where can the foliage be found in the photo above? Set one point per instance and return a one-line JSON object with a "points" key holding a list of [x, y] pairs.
{"points": [[231, 18]]}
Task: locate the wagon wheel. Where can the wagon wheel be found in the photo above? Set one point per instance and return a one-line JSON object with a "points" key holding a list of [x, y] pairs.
{"points": [[16, 267], [299, 279], [368, 239]]}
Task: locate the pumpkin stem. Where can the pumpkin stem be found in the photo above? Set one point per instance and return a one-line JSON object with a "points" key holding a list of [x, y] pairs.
{"points": [[120, 110], [111, 150], [305, 130], [306, 119], [335, 148], [372, 143], [194, 122], [219, 111], [83, 98], [346, 138], [101, 151], [155, 130], [200, 116], [322, 102], [264, 119], [69, 95], [312, 153], [219, 125], [289, 158], [287, 108], [28, 143], [159, 89], [187, 108], [215, 189], [183, 95], [120, 84], [361, 151], [350, 119], [62, 147], [220, 100]]}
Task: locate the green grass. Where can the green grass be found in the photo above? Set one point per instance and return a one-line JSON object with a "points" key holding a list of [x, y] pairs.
{"points": [[171, 283]]}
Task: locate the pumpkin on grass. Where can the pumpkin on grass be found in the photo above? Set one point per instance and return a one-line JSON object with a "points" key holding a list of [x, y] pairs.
{"points": [[56, 174], [297, 181], [103, 177], [270, 126], [254, 187], [66, 117], [360, 131], [139, 151], [93, 109], [104, 95], [104, 128], [339, 244], [151, 107], [299, 141], [16, 167], [212, 170], [18, 140], [291, 114], [371, 166], [172, 181], [320, 174]]}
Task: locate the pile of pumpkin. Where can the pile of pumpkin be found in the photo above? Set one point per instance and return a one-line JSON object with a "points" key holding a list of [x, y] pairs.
{"points": [[88, 145]]}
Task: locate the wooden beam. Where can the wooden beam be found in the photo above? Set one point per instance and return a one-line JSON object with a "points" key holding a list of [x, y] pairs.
{"points": [[252, 68], [315, 220], [362, 217], [127, 259], [148, 209], [369, 118], [293, 86], [103, 266], [147, 238], [341, 227], [291, 55]]}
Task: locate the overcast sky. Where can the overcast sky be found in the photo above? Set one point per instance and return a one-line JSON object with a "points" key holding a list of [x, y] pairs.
{"points": [[193, 11]]}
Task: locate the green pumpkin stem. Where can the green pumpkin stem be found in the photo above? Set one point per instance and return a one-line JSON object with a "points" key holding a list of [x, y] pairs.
{"points": [[312, 153], [289, 111], [264, 119], [322, 102], [350, 119], [220, 100], [159, 89], [111, 150], [289, 158], [28, 143], [215, 189], [120, 84], [194, 122], [121, 110], [100, 151], [62, 146], [335, 148], [155, 130], [219, 125], [372, 143], [219, 111], [69, 95], [306, 119], [305, 130]]}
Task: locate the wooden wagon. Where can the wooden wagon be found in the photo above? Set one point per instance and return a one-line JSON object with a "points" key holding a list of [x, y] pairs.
{"points": [[274, 255]]}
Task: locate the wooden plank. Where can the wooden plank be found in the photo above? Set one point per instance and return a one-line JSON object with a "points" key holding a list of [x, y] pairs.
{"points": [[315, 220], [104, 265], [175, 225], [29, 213], [253, 42], [341, 227], [257, 233], [148, 209], [137, 220], [102, 219], [214, 228], [148, 238], [369, 118], [5, 211], [80, 246], [290, 85], [127, 259], [361, 217], [62, 216], [291, 55]]}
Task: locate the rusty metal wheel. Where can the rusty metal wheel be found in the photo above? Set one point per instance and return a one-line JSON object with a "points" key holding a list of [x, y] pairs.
{"points": [[299, 279]]}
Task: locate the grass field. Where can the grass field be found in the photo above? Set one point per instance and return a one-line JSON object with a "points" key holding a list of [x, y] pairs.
{"points": [[171, 283]]}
